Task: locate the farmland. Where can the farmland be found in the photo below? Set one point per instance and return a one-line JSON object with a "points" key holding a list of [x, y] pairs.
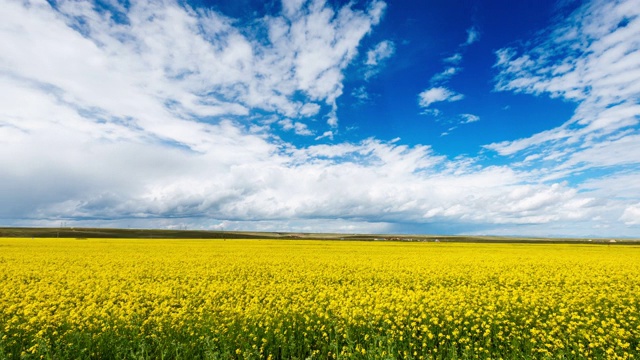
{"points": [[299, 299]]}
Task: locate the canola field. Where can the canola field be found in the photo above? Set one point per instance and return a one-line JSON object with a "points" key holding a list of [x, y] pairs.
{"points": [[286, 299]]}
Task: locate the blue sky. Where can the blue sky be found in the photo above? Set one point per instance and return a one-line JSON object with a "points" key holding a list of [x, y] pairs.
{"points": [[456, 117]]}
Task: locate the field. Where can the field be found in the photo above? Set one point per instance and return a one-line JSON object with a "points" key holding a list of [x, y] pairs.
{"points": [[295, 299]]}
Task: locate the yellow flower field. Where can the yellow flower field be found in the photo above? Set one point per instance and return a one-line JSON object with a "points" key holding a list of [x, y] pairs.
{"points": [[267, 299]]}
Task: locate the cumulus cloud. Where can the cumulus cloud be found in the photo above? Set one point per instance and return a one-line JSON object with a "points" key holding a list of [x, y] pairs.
{"points": [[196, 62], [590, 58], [159, 115], [631, 215], [318, 43], [309, 109], [298, 127], [437, 94]]}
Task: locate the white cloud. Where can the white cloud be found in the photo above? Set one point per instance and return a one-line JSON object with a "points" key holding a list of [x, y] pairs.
{"points": [[449, 130], [631, 215], [380, 52], [298, 127], [431, 112], [327, 134], [440, 93], [309, 109], [318, 43], [445, 75], [454, 59], [463, 119], [377, 56], [437, 94], [164, 119], [605, 153], [469, 118], [361, 94], [195, 61], [473, 35], [591, 58]]}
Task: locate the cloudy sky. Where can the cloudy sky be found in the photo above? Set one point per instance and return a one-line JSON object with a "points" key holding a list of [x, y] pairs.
{"points": [[448, 116]]}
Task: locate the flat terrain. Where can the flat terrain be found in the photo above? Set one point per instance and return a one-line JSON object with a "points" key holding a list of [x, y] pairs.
{"points": [[308, 299], [69, 232]]}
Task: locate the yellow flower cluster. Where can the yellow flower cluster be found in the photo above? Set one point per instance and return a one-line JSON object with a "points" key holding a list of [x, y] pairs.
{"points": [[264, 299]]}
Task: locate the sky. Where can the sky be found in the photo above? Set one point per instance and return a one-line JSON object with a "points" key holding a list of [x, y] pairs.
{"points": [[486, 117]]}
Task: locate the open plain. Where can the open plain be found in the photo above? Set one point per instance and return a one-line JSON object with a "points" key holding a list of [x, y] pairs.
{"points": [[299, 299]]}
